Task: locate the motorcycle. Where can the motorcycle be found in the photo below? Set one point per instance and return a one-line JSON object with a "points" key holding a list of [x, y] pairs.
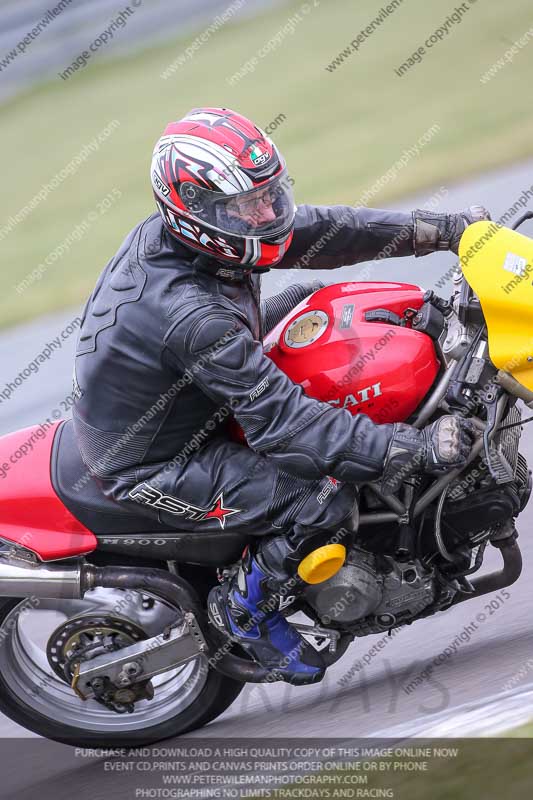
{"points": [[104, 634]]}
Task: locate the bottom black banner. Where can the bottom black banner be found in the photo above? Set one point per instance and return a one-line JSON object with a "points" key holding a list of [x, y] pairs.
{"points": [[414, 769]]}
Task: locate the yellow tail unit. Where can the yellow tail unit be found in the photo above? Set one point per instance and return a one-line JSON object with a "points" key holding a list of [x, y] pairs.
{"points": [[498, 265]]}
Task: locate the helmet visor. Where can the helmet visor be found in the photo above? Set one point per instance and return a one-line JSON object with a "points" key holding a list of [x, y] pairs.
{"points": [[267, 210]]}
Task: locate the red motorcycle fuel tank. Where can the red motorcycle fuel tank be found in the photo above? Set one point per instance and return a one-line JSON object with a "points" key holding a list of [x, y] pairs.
{"points": [[344, 346]]}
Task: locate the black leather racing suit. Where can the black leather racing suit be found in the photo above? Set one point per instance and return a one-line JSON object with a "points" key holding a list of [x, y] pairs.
{"points": [[170, 345]]}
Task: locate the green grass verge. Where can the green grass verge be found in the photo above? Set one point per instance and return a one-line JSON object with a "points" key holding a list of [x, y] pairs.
{"points": [[523, 732], [342, 131]]}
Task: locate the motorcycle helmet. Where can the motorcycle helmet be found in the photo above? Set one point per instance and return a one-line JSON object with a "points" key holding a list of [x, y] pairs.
{"points": [[222, 188]]}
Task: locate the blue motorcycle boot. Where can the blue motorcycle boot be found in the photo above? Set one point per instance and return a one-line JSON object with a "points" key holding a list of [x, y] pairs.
{"points": [[246, 609]]}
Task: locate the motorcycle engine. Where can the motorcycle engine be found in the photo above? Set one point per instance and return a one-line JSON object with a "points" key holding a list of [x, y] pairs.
{"points": [[376, 590]]}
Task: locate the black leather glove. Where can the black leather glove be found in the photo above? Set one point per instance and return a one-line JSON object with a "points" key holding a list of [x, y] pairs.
{"points": [[443, 231], [441, 446]]}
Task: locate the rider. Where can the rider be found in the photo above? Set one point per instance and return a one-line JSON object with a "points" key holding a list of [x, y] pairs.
{"points": [[171, 343]]}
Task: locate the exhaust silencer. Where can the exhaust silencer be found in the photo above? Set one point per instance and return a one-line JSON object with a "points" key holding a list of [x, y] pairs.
{"points": [[19, 578]]}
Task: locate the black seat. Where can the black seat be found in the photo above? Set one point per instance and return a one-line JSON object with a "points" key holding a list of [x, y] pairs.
{"points": [[106, 518]]}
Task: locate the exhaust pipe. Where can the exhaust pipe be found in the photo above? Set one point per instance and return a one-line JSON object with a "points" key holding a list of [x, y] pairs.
{"points": [[494, 581]]}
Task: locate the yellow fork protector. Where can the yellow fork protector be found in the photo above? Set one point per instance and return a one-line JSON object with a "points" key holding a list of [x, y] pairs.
{"points": [[498, 265], [322, 563]]}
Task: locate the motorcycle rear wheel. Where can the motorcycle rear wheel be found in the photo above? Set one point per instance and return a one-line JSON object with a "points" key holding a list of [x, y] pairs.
{"points": [[35, 698]]}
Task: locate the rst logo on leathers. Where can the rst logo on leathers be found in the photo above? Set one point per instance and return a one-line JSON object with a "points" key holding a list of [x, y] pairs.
{"points": [[149, 496], [327, 489], [259, 389]]}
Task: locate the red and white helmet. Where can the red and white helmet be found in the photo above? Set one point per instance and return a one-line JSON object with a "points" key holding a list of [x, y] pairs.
{"points": [[222, 188]]}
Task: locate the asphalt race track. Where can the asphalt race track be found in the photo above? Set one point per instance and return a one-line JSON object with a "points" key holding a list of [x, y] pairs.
{"points": [[355, 699]]}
